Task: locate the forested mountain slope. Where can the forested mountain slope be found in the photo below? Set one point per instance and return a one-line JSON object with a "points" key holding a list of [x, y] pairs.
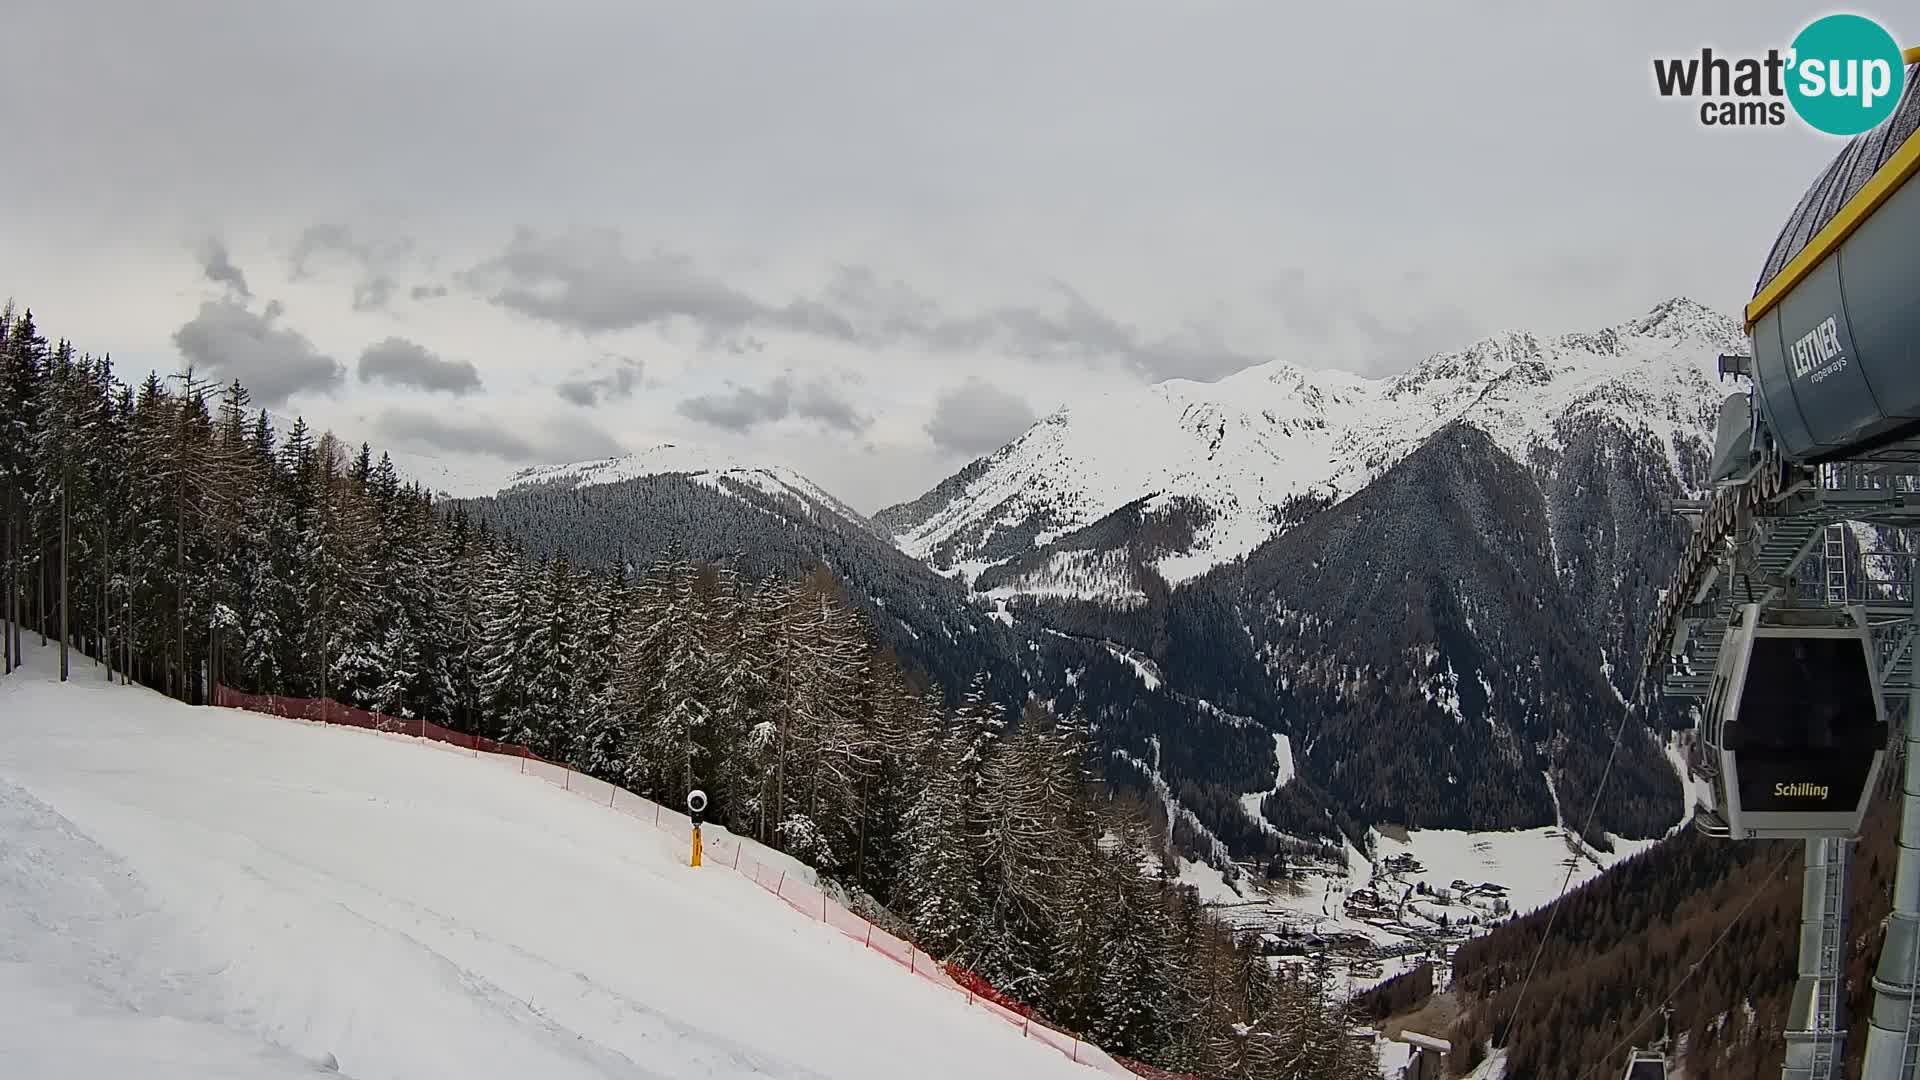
{"points": [[757, 530], [170, 535], [1623, 942], [1432, 664]]}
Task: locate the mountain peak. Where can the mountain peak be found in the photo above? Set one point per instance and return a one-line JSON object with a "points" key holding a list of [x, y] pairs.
{"points": [[660, 459], [1685, 317], [1249, 453], [714, 468]]}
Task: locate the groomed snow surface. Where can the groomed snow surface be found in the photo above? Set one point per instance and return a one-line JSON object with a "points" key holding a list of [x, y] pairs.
{"points": [[195, 893]]}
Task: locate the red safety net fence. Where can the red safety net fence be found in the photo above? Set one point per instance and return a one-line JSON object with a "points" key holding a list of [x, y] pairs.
{"points": [[720, 849], [328, 711]]}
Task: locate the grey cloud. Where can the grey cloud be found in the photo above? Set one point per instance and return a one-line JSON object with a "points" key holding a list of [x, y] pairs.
{"points": [[744, 408], [400, 362], [1304, 312], [741, 409], [1389, 340], [274, 362], [375, 261], [879, 313], [219, 267], [1581, 271], [427, 292], [619, 384], [882, 313], [586, 281], [1418, 335], [560, 440], [579, 393], [977, 417], [336, 238], [899, 307], [373, 293], [323, 237], [461, 437], [571, 440], [818, 401]]}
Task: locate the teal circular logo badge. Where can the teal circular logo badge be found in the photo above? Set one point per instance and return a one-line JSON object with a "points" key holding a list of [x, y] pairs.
{"points": [[1845, 75]]}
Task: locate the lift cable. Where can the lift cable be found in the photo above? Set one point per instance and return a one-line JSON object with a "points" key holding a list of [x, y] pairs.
{"points": [[1553, 912], [1693, 968]]}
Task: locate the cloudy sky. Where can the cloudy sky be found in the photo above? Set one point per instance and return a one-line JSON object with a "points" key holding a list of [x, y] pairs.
{"points": [[870, 240]]}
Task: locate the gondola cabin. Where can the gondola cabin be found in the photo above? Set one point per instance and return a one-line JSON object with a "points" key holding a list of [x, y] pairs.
{"points": [[1796, 731], [1646, 1065]]}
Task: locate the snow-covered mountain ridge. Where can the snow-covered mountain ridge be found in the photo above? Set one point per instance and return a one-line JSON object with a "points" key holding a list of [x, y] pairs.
{"points": [[710, 468], [1234, 452]]}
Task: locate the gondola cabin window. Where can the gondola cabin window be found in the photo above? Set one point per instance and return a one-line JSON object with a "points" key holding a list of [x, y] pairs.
{"points": [[1807, 725]]}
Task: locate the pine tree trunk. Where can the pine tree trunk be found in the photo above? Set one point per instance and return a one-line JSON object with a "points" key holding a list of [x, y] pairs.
{"points": [[16, 586], [66, 615], [780, 763], [6, 591], [126, 626], [42, 607], [179, 594], [860, 853], [106, 607]]}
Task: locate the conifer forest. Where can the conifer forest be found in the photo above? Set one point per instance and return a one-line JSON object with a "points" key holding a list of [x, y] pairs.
{"points": [[163, 532]]}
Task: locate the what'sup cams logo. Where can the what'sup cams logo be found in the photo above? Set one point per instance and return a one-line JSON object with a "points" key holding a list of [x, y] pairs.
{"points": [[1842, 75]]}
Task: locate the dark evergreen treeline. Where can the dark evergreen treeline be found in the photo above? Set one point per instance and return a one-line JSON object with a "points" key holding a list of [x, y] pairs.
{"points": [[1624, 940], [173, 537], [921, 616], [1397, 996]]}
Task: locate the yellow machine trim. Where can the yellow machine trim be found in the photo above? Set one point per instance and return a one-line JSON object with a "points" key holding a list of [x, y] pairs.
{"points": [[1889, 179]]}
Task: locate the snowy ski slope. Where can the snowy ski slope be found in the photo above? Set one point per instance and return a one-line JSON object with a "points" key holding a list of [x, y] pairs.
{"points": [[210, 893]]}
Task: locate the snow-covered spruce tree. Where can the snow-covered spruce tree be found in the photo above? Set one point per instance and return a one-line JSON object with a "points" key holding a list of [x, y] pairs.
{"points": [[941, 888], [779, 608], [429, 606], [663, 683], [902, 726], [262, 621], [336, 550], [23, 388], [830, 747], [1023, 854], [53, 453], [738, 693], [511, 604], [552, 661], [462, 628], [1066, 790], [288, 594], [606, 730], [400, 606], [1133, 1008]]}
